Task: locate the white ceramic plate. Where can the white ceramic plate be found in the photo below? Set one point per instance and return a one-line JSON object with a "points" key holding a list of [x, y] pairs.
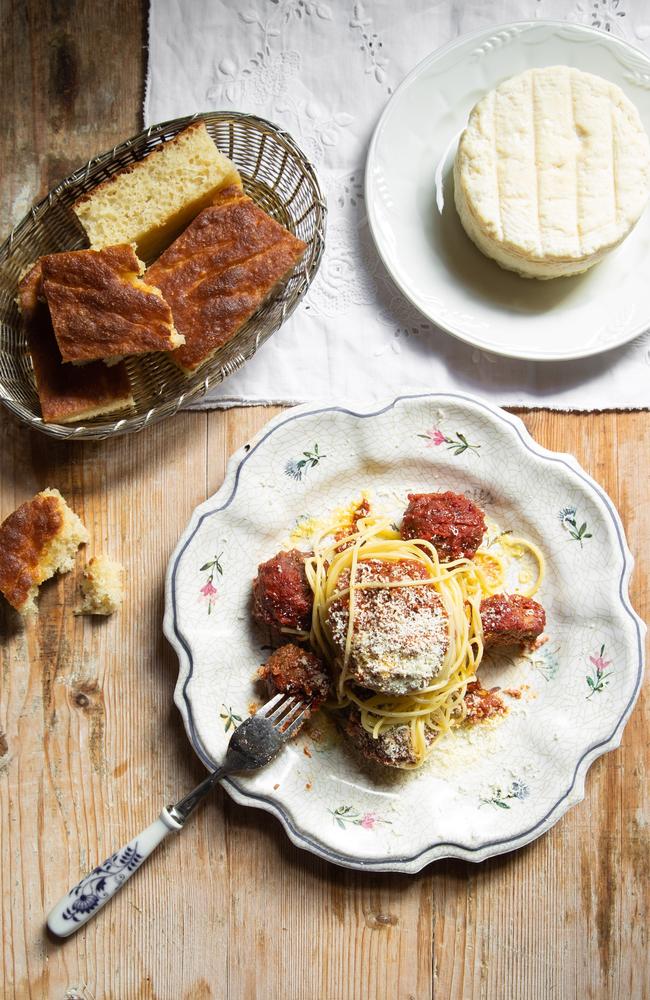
{"points": [[410, 202], [482, 792]]}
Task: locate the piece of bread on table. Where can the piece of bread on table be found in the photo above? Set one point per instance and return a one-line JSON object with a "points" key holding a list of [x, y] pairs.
{"points": [[67, 393], [220, 271], [100, 307], [101, 587], [40, 538], [152, 200]]}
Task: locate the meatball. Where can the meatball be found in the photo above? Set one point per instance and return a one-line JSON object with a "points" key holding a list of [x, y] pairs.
{"points": [[511, 620], [293, 670], [282, 597], [399, 636], [393, 748], [451, 522]]}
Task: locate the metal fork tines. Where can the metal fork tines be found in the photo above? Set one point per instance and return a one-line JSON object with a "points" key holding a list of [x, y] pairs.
{"points": [[254, 743], [258, 739], [286, 712]]}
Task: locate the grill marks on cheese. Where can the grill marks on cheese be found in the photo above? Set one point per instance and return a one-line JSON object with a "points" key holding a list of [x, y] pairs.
{"points": [[553, 167], [557, 182]]}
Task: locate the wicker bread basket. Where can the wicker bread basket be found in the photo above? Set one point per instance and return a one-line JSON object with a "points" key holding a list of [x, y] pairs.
{"points": [[275, 174]]}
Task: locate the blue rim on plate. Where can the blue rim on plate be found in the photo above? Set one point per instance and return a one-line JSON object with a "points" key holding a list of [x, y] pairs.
{"points": [[415, 861]]}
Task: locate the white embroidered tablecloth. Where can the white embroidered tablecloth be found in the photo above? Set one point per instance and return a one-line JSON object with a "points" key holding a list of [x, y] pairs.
{"points": [[323, 70]]}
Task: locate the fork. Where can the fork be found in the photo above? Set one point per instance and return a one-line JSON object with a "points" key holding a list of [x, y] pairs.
{"points": [[253, 744]]}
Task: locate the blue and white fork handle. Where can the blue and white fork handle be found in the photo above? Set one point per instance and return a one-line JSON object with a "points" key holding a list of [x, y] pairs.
{"points": [[98, 887]]}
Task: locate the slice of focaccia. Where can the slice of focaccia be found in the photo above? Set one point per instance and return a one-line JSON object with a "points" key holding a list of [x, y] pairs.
{"points": [[101, 309], [220, 271], [152, 200], [67, 393]]}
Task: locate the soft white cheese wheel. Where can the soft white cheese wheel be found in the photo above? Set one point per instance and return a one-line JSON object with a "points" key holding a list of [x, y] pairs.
{"points": [[552, 171]]}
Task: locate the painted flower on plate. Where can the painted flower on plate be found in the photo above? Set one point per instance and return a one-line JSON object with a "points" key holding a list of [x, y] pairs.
{"points": [[347, 815], [208, 591], [458, 444], [499, 797], [597, 680], [368, 821], [297, 468], [568, 520]]}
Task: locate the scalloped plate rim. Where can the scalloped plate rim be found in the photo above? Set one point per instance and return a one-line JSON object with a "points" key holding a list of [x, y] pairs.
{"points": [[413, 863]]}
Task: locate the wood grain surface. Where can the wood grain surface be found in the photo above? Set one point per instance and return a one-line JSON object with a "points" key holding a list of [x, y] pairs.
{"points": [[91, 744]]}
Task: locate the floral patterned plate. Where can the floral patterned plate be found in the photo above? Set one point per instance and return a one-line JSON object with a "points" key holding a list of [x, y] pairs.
{"points": [[486, 790]]}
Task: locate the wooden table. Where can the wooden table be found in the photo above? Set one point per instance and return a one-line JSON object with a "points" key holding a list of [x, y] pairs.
{"points": [[91, 744]]}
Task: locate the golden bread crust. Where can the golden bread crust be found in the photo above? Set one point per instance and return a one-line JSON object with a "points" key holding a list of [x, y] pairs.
{"points": [[66, 392], [23, 537], [30, 291], [219, 272], [96, 309]]}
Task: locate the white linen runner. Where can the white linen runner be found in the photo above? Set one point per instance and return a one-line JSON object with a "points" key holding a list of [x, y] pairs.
{"points": [[324, 70]]}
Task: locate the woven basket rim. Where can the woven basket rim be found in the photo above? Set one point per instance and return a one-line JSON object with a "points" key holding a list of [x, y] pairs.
{"points": [[214, 373]]}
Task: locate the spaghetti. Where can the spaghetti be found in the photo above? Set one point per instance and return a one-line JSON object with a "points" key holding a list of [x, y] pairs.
{"points": [[338, 575]]}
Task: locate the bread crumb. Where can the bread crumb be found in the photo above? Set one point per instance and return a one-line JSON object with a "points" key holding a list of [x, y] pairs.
{"points": [[101, 587]]}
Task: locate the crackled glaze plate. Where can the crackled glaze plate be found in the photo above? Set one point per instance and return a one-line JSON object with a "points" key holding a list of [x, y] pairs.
{"points": [[410, 202], [486, 790]]}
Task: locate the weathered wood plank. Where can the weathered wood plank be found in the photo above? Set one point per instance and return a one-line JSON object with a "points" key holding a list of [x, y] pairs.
{"points": [[91, 745], [94, 747], [72, 74]]}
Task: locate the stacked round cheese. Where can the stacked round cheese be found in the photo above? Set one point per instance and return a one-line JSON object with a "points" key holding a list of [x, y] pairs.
{"points": [[552, 171]]}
